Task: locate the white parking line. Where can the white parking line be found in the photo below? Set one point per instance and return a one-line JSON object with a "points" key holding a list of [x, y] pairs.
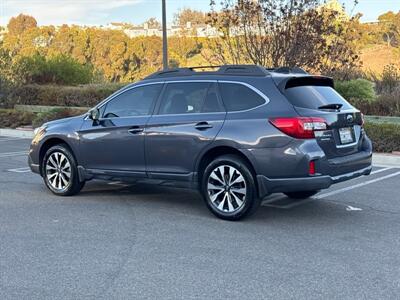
{"points": [[9, 139], [274, 198], [321, 196], [381, 170], [20, 170], [8, 154]]}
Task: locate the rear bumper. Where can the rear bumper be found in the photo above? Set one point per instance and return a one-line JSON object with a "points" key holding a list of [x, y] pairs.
{"points": [[267, 185]]}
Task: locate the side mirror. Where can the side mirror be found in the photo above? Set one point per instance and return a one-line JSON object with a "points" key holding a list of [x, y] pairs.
{"points": [[94, 114]]}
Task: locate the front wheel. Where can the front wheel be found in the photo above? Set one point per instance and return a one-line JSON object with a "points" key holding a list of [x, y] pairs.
{"points": [[60, 172], [228, 188]]}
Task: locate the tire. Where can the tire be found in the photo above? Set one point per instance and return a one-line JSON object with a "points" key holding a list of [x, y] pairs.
{"points": [[229, 189], [60, 172], [301, 195]]}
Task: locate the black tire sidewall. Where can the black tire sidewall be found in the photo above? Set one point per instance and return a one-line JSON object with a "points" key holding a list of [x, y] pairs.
{"points": [[251, 201], [75, 185]]}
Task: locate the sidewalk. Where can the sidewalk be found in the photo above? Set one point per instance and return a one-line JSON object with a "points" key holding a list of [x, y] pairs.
{"points": [[17, 133], [382, 159]]}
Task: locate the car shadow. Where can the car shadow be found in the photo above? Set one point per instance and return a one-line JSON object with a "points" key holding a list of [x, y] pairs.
{"points": [[190, 203]]}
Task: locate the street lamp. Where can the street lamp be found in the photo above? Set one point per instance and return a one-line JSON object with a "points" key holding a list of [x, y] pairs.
{"points": [[165, 41]]}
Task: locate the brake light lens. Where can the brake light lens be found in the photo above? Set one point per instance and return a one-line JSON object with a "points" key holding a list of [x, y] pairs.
{"points": [[311, 168], [300, 127]]}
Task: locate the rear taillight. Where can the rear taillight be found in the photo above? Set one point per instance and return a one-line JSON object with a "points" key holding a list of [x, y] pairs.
{"points": [[311, 168], [299, 127]]}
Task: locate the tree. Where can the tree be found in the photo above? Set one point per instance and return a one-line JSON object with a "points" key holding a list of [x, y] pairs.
{"points": [[19, 24], [290, 33], [390, 26], [186, 15], [153, 23], [182, 48]]}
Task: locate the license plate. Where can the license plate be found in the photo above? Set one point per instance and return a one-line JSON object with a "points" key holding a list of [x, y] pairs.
{"points": [[346, 135]]}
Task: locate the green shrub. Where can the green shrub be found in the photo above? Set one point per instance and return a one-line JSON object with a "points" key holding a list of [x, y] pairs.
{"points": [[84, 95], [390, 80], [385, 105], [59, 69], [385, 136], [54, 114], [359, 90], [10, 118]]}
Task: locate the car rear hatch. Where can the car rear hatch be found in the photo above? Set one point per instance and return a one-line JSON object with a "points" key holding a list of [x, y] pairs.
{"points": [[315, 97]]}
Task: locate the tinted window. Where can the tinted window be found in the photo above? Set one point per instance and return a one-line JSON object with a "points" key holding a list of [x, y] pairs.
{"points": [[314, 97], [212, 102], [182, 98], [135, 102], [239, 97]]}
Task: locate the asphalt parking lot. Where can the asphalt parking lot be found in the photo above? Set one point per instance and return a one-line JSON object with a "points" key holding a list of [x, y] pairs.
{"points": [[117, 241]]}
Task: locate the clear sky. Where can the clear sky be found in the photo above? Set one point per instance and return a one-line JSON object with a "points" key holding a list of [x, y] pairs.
{"points": [[102, 12]]}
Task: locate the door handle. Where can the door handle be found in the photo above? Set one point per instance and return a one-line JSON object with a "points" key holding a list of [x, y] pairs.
{"points": [[203, 126], [136, 129]]}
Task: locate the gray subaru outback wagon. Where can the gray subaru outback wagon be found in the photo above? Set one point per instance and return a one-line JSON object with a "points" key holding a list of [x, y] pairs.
{"points": [[237, 134]]}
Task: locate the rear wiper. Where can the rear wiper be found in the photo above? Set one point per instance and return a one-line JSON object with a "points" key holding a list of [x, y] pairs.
{"points": [[331, 106]]}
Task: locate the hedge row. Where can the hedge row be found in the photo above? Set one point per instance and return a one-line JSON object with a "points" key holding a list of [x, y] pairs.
{"points": [[385, 136], [10, 118], [55, 95], [89, 95], [384, 105]]}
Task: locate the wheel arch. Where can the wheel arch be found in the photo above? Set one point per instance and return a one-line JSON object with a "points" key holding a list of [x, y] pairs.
{"points": [[50, 142], [220, 150]]}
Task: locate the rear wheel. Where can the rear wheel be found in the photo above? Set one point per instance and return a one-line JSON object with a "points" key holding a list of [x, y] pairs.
{"points": [[301, 195], [228, 188], [60, 173]]}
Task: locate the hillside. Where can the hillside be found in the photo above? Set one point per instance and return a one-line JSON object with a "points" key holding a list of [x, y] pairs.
{"points": [[376, 57]]}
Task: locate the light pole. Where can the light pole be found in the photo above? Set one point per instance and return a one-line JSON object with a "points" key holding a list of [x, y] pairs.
{"points": [[165, 41]]}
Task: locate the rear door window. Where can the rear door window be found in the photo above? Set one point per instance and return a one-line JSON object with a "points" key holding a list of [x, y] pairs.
{"points": [[238, 97], [313, 97], [184, 98]]}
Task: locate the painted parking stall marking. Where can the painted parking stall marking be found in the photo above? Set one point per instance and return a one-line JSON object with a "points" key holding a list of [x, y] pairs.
{"points": [[283, 202], [11, 154], [10, 139], [20, 170], [349, 188]]}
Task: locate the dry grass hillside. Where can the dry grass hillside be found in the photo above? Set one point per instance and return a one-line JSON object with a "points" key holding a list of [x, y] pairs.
{"points": [[376, 57]]}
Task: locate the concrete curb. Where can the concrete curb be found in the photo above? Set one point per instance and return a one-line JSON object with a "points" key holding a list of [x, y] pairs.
{"points": [[383, 159], [16, 133]]}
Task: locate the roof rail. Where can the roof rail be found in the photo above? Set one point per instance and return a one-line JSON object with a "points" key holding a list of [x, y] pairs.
{"points": [[242, 70]]}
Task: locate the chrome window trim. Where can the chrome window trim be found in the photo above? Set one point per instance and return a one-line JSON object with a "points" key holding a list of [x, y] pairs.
{"points": [[254, 89], [105, 101], [261, 94]]}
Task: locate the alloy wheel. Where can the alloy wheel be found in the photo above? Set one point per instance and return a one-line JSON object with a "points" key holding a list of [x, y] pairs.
{"points": [[58, 171], [226, 188]]}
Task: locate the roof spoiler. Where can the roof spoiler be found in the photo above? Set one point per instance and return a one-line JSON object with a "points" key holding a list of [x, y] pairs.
{"points": [[304, 81]]}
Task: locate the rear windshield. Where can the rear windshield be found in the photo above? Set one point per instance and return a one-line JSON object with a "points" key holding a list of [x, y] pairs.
{"points": [[313, 97]]}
